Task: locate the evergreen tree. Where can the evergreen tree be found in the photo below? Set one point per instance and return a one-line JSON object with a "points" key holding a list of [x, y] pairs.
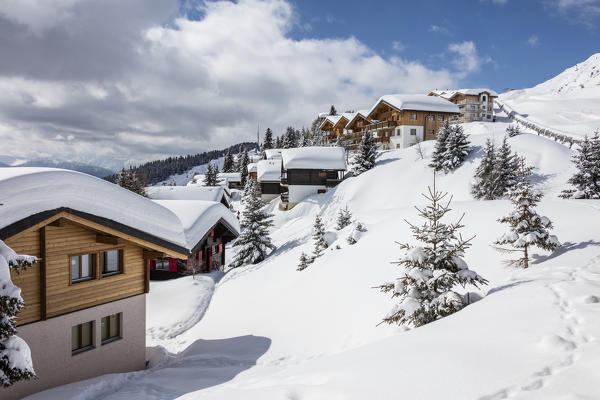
{"points": [[319, 238], [484, 183], [268, 141], [303, 262], [344, 218], [254, 242], [338, 141], [289, 140], [129, 180], [278, 143], [432, 270], [228, 161], [306, 141], [587, 178], [210, 176], [332, 110], [507, 164], [15, 357], [367, 152], [439, 149], [513, 130], [243, 162], [457, 149], [527, 228]]}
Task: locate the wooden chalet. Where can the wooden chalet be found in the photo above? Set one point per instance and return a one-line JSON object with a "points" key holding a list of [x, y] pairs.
{"points": [[327, 126], [85, 304], [356, 124], [190, 192], [252, 170], [401, 120], [473, 104], [308, 171], [269, 178]]}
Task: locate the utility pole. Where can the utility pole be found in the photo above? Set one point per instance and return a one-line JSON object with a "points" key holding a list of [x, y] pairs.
{"points": [[258, 135]]}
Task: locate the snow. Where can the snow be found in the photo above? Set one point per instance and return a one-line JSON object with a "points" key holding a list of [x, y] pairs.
{"points": [[273, 153], [28, 191], [269, 171], [362, 113], [271, 332], [331, 118], [230, 176], [252, 167], [191, 192], [198, 217], [416, 102], [331, 158], [569, 102]]}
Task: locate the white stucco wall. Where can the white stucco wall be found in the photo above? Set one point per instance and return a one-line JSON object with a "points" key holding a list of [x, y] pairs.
{"points": [[403, 139], [50, 344], [300, 192]]}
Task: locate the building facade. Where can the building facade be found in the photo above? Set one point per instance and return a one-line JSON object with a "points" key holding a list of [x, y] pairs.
{"points": [[473, 104]]}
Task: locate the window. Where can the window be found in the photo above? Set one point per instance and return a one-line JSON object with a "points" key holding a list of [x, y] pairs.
{"points": [[82, 267], [430, 132], [413, 117], [161, 264], [111, 262], [430, 117], [484, 99], [82, 337], [110, 328], [440, 117], [323, 174], [413, 132]]}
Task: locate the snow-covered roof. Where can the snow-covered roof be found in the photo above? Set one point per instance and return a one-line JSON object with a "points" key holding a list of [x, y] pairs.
{"points": [[252, 166], [345, 116], [472, 92], [416, 102], [269, 171], [332, 158], [273, 153], [198, 217], [230, 176], [28, 191], [331, 118], [361, 113], [191, 192]]}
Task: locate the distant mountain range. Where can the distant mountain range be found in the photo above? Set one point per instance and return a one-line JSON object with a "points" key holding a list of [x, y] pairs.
{"points": [[72, 165]]}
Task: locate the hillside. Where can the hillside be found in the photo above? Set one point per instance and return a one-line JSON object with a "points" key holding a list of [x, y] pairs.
{"points": [[569, 102], [271, 332]]}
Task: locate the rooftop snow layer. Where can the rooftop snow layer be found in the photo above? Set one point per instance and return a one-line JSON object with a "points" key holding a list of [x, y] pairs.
{"points": [[230, 176], [417, 102], [191, 192], [331, 118], [273, 153], [332, 158], [362, 113], [475, 92], [269, 171], [252, 167], [198, 217], [28, 191]]}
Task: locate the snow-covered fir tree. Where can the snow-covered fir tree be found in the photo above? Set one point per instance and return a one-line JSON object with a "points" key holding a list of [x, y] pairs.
{"points": [[228, 164], [457, 149], [332, 110], [290, 139], [338, 141], [526, 227], [305, 138], [15, 357], [344, 218], [513, 130], [254, 242], [366, 155], [319, 237], [304, 262], [278, 143], [586, 181], [439, 149], [484, 182], [268, 140], [242, 167], [129, 180], [210, 176], [433, 269], [507, 165]]}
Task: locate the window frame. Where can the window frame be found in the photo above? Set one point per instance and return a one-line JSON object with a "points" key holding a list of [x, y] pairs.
{"points": [[163, 261], [413, 116], [410, 133], [102, 262], [79, 327], [440, 118], [119, 335], [93, 267]]}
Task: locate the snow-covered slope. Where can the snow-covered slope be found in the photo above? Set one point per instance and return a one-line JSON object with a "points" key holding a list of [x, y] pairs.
{"points": [[271, 332], [569, 102]]}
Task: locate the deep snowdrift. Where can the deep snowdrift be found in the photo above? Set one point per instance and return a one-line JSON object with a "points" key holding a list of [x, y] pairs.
{"points": [[271, 332]]}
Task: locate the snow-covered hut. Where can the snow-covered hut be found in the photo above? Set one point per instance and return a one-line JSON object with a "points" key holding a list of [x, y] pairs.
{"points": [[269, 178]]}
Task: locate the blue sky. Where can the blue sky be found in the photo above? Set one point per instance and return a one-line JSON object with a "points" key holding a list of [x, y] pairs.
{"points": [[527, 41]]}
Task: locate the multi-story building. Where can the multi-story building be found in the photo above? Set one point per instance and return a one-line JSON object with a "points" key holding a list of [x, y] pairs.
{"points": [[473, 104]]}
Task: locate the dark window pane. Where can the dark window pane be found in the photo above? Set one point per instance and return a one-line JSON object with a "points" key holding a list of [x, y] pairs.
{"points": [[111, 261], [104, 328], [114, 325], [75, 267], [75, 339], [86, 334]]}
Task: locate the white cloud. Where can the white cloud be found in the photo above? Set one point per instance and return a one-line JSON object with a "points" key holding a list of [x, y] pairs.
{"points": [[533, 40], [398, 45], [578, 11], [439, 29], [38, 15], [467, 59], [191, 86]]}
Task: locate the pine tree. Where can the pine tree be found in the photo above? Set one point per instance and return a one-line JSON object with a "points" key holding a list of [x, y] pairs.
{"points": [[367, 153], [344, 218], [332, 110], [457, 149], [527, 228], [15, 357], [278, 143], [484, 183], [507, 164], [305, 138], [290, 139], [303, 262], [432, 270], [513, 130], [439, 149], [586, 180], [268, 141], [210, 176], [129, 180], [319, 237], [254, 242], [228, 161], [243, 161]]}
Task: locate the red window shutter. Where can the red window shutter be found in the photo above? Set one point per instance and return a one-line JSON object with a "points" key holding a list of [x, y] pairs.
{"points": [[221, 248], [212, 233], [151, 264], [209, 259], [172, 265], [200, 256], [189, 263]]}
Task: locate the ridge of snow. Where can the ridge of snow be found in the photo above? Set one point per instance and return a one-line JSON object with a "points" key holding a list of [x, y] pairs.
{"points": [[333, 158]]}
